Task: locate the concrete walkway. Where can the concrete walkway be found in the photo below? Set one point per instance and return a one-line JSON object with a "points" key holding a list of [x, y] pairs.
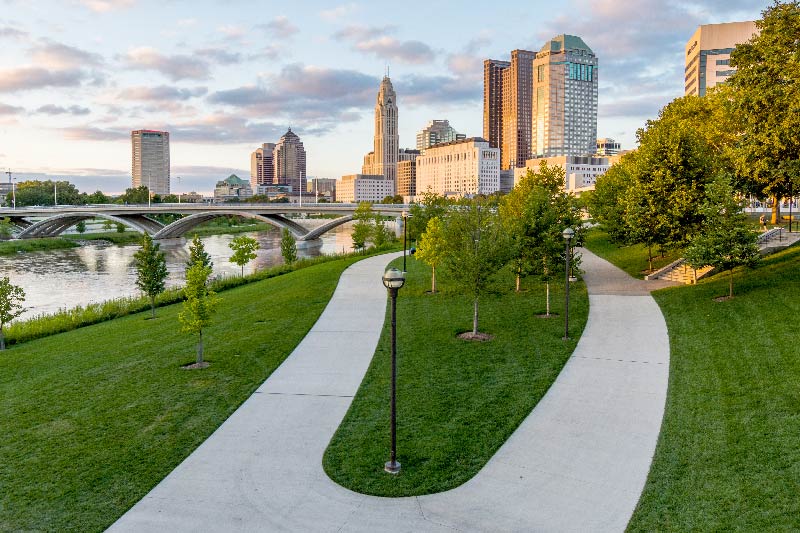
{"points": [[577, 463]]}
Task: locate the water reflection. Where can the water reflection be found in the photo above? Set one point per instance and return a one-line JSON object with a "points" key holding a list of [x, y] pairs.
{"points": [[99, 271]]}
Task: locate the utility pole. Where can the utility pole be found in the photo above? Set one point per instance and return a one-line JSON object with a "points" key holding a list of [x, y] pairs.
{"points": [[13, 191]]}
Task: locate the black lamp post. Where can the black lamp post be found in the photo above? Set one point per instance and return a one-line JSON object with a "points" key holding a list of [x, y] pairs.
{"points": [[568, 233], [405, 216], [393, 279]]}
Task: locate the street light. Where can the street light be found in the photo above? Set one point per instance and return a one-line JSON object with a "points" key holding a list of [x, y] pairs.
{"points": [[405, 215], [393, 279], [568, 233]]}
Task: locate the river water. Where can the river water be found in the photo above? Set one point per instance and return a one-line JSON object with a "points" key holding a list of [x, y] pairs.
{"points": [[98, 271]]}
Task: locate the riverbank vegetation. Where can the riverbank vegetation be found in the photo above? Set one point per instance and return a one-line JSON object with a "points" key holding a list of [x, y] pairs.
{"points": [[94, 418], [458, 401], [35, 245], [727, 457]]}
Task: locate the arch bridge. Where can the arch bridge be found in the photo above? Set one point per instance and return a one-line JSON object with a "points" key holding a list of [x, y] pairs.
{"points": [[35, 222]]}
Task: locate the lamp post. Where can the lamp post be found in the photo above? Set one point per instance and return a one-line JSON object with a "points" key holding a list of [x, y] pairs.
{"points": [[405, 215], [393, 279], [568, 233], [148, 189]]}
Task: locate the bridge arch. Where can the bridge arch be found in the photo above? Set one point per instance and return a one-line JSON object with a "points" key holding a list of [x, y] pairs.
{"points": [[57, 224], [316, 233], [182, 226]]}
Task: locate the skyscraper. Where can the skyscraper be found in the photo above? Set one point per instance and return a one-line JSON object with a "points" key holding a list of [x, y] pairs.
{"points": [[564, 99], [262, 166], [290, 162], [507, 107], [436, 132], [150, 160], [708, 54], [383, 159]]}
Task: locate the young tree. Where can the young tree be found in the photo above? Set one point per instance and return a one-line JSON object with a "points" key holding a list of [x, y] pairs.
{"points": [[432, 247], [199, 305], [288, 246], [6, 228], [380, 233], [362, 228], [120, 227], [197, 253], [432, 206], [80, 227], [151, 270], [476, 248], [727, 239], [11, 298], [244, 250]]}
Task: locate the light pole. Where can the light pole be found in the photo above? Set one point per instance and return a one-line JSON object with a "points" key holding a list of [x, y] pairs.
{"points": [[393, 279], [148, 189], [55, 194], [568, 233], [405, 215]]}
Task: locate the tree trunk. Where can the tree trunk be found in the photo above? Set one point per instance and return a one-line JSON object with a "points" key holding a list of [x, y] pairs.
{"points": [[547, 293], [776, 210], [200, 348], [2, 339], [517, 289], [650, 257], [475, 318], [433, 279], [152, 306], [730, 284], [242, 270]]}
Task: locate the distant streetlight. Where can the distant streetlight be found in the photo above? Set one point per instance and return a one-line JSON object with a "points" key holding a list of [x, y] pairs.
{"points": [[405, 215], [55, 193], [393, 280], [568, 233], [148, 189]]}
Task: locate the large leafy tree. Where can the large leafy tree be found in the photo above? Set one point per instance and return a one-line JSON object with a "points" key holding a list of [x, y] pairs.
{"points": [[151, 270], [362, 227], [431, 206], [432, 247], [244, 250], [727, 239], [11, 298], [199, 306], [764, 97], [607, 203], [477, 247], [36, 192]]}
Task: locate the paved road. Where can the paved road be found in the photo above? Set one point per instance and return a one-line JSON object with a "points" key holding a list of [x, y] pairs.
{"points": [[577, 463]]}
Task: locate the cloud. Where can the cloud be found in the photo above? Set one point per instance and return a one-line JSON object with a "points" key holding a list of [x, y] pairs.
{"points": [[55, 55], [12, 33], [92, 133], [338, 12], [379, 42], [51, 109], [28, 78], [232, 32], [220, 56], [175, 67], [161, 93], [467, 63], [419, 89], [280, 27], [6, 109], [105, 6]]}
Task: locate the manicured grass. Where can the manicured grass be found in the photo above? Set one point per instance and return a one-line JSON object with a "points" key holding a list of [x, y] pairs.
{"points": [[34, 245], [632, 259], [94, 418], [458, 401], [728, 456]]}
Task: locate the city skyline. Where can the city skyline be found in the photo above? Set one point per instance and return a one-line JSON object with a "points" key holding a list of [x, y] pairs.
{"points": [[221, 84]]}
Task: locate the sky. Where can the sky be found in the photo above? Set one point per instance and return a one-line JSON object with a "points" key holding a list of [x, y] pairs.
{"points": [[76, 76]]}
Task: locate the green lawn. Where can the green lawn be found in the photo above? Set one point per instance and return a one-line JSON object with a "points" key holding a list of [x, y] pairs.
{"points": [[632, 259], [458, 401], [94, 418], [728, 457]]}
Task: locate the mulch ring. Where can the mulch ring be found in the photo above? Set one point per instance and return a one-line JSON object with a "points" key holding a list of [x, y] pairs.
{"points": [[478, 337], [196, 366]]}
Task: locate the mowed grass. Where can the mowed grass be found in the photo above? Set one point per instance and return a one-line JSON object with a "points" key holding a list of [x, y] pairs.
{"points": [[632, 259], [94, 418], [728, 457], [457, 401]]}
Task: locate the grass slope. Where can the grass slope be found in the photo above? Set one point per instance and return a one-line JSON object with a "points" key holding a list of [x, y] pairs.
{"points": [[632, 259], [94, 418], [728, 455], [457, 401]]}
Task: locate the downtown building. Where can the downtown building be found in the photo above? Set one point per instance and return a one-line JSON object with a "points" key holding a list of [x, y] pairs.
{"points": [[150, 160], [460, 168], [437, 132], [290, 163], [355, 188], [708, 54], [382, 160], [262, 166]]}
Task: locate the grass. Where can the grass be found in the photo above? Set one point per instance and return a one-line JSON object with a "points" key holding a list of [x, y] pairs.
{"points": [[115, 237], [94, 418], [632, 259], [728, 455], [458, 401], [35, 245]]}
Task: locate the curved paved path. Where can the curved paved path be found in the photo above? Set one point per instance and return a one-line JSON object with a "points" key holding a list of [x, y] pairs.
{"points": [[578, 461]]}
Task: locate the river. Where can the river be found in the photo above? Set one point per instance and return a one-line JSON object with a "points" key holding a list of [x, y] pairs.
{"points": [[99, 271]]}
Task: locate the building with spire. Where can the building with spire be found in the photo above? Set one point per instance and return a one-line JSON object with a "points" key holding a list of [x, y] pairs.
{"points": [[383, 158], [290, 162]]}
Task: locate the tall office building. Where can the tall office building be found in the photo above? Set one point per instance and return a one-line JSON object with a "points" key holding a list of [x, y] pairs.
{"points": [[607, 146], [708, 54], [507, 111], [262, 166], [383, 158], [437, 132], [459, 168], [290, 162], [150, 160], [564, 99]]}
